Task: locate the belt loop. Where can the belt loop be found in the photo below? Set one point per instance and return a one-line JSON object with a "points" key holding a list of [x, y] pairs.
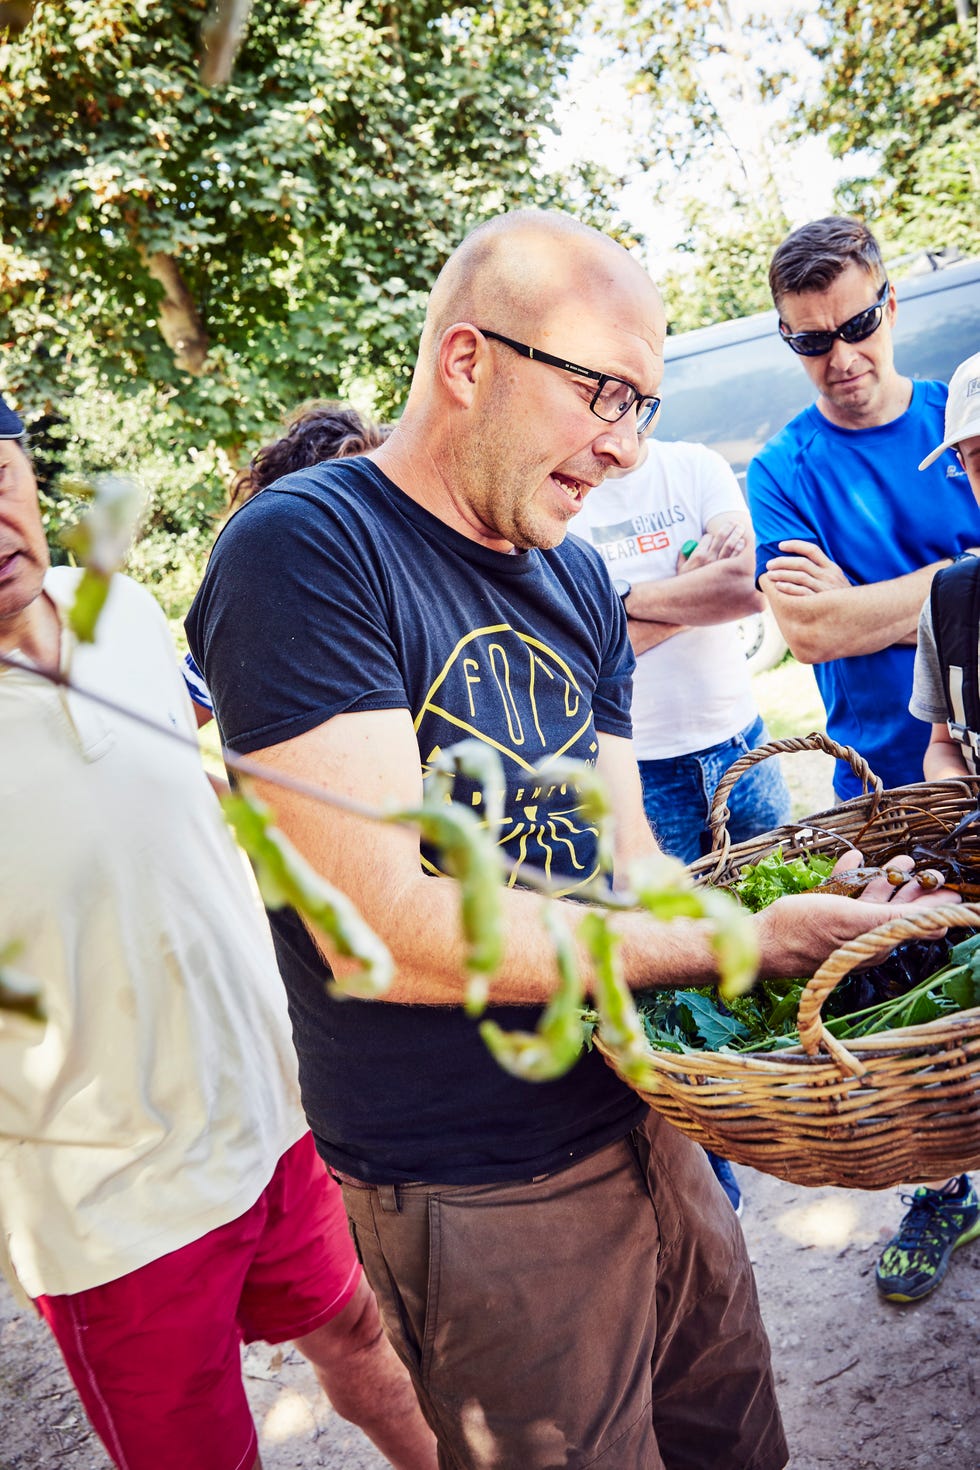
{"points": [[388, 1198]]}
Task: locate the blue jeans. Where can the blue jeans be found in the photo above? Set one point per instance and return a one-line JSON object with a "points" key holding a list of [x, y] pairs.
{"points": [[677, 795]]}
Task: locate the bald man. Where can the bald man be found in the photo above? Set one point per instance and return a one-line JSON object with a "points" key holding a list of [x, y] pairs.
{"points": [[552, 1260]]}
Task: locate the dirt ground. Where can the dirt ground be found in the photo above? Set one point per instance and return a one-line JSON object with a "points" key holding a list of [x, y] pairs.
{"points": [[864, 1385]]}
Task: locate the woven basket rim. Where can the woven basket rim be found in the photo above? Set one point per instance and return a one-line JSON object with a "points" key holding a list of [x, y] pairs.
{"points": [[898, 803], [928, 1034], [869, 1112]]}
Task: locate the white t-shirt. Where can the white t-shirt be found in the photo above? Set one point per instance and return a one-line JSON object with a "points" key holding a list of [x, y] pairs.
{"points": [[694, 690], [154, 1103]]}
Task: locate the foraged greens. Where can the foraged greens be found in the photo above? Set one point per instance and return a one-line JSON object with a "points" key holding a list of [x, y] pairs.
{"points": [[773, 876], [917, 983]]}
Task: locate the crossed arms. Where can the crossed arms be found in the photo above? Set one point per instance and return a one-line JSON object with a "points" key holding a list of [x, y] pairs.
{"points": [[714, 585], [822, 616]]}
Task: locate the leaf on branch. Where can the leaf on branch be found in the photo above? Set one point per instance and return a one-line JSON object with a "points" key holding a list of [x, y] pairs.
{"points": [[734, 941], [595, 807], [469, 853], [103, 536], [19, 993], [100, 541], [479, 761], [665, 888], [90, 599], [554, 1046], [619, 1020], [286, 879]]}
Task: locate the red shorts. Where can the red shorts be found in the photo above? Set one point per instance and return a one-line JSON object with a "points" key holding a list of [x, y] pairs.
{"points": [[155, 1354]]}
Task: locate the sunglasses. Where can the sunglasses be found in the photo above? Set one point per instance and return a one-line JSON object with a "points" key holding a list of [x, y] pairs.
{"points": [[855, 329]]}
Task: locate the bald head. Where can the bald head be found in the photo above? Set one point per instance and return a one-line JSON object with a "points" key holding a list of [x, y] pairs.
{"points": [[517, 272], [541, 338]]}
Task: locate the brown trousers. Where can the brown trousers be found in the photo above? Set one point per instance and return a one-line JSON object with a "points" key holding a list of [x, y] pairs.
{"points": [[604, 1315]]}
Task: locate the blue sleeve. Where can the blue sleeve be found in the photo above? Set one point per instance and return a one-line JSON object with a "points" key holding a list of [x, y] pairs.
{"points": [[775, 518], [196, 687]]}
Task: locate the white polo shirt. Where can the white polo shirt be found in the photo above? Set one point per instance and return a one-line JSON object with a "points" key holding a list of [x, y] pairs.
{"points": [[154, 1103]]}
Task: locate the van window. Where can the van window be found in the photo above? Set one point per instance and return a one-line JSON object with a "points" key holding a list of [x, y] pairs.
{"points": [[733, 397]]}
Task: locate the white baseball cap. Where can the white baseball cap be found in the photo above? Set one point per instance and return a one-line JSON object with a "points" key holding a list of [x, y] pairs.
{"points": [[962, 408]]}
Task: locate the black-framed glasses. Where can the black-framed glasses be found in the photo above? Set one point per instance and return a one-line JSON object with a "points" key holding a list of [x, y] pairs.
{"points": [[613, 397], [855, 329]]}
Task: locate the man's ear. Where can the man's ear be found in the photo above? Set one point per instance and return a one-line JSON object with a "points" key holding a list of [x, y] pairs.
{"points": [[463, 359]]}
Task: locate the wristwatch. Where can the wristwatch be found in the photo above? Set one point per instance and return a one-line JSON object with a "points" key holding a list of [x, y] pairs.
{"points": [[622, 588]]}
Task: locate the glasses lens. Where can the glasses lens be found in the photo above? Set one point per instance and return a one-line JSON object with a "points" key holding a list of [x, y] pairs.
{"points": [[810, 344], [646, 413], [613, 400], [861, 326], [817, 344]]}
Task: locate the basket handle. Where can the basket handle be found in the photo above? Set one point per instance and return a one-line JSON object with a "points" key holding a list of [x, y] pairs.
{"points": [[720, 840], [921, 925]]}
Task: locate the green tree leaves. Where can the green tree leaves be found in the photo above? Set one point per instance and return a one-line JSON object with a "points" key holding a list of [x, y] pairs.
{"points": [[901, 79], [280, 232], [180, 265]]}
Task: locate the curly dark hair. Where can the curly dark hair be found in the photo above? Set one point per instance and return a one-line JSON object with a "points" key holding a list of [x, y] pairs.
{"points": [[315, 431]]}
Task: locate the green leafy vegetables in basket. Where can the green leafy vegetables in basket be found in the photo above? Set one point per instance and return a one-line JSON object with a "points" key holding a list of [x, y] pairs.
{"points": [[761, 883], [917, 983]]}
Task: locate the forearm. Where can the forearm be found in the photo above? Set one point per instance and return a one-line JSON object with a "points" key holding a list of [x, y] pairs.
{"points": [[644, 636], [423, 930], [943, 758], [717, 593], [848, 621], [794, 935], [369, 763]]}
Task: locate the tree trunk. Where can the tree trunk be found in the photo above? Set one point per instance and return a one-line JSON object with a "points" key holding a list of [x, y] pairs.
{"points": [[180, 321], [16, 16], [223, 33]]}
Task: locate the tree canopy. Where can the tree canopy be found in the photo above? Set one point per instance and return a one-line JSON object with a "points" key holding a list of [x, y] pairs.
{"points": [[182, 263], [900, 79], [715, 88], [731, 96], [272, 238]]}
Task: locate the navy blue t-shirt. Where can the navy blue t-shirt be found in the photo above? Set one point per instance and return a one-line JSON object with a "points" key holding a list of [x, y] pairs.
{"points": [[332, 591]]}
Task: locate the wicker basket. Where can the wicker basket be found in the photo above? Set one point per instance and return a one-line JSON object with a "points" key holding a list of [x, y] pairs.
{"points": [[901, 1105]]}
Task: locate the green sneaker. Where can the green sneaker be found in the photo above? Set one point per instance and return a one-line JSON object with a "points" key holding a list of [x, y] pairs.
{"points": [[917, 1259]]}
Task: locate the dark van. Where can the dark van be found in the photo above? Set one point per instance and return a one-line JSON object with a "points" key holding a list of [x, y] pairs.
{"points": [[734, 385]]}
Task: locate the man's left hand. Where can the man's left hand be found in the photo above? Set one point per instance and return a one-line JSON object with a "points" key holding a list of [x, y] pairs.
{"points": [[804, 570]]}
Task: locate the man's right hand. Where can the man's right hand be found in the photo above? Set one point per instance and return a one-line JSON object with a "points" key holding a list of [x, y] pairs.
{"points": [[797, 933], [804, 569]]}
